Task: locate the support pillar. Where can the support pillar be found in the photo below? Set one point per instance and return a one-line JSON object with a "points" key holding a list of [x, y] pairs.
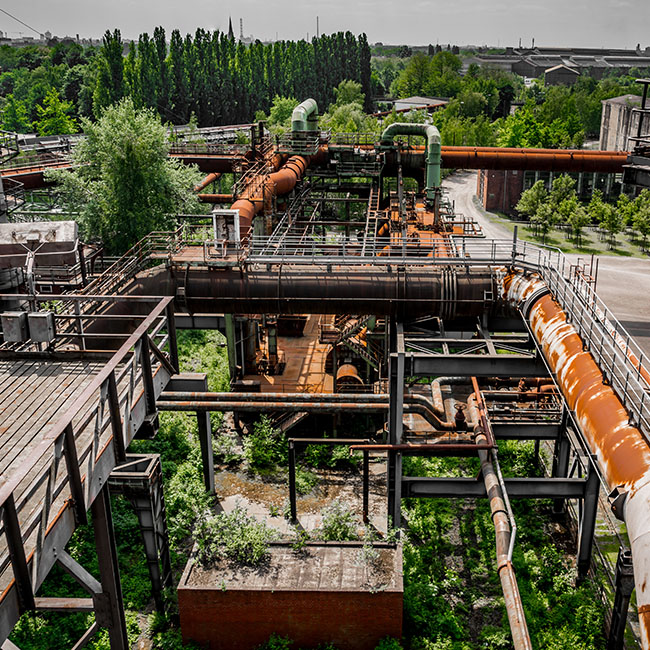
{"points": [[109, 572], [140, 481], [395, 422], [624, 589], [231, 346], [561, 460], [588, 519]]}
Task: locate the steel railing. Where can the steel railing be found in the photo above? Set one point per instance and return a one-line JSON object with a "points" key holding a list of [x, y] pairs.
{"points": [[108, 411]]}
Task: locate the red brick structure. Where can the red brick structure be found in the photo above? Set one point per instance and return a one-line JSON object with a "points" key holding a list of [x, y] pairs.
{"points": [[323, 594], [499, 190]]}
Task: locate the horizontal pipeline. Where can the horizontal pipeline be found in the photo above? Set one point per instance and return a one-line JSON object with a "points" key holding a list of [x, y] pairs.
{"points": [[290, 290], [556, 160]]}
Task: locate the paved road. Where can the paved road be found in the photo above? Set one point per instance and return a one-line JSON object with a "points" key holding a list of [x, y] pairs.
{"points": [[623, 282]]}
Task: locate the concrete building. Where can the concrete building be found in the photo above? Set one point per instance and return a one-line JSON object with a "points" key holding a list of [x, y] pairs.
{"points": [[620, 121], [560, 75]]}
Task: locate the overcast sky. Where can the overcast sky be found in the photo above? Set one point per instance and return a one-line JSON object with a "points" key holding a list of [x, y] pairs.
{"points": [[585, 23]]}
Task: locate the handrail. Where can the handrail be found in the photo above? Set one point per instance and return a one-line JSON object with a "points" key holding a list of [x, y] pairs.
{"points": [[105, 409]]}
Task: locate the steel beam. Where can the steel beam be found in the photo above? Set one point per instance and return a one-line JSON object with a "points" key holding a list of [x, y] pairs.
{"points": [[516, 431], [112, 617], [588, 519], [479, 365], [522, 488], [624, 589], [140, 480]]}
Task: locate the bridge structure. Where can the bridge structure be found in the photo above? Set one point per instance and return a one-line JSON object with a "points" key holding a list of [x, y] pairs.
{"points": [[347, 247]]}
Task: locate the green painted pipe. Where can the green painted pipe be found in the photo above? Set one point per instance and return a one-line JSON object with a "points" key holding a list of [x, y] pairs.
{"points": [[305, 116], [434, 147]]}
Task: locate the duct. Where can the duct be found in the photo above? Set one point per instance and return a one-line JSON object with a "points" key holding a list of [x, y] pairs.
{"points": [[277, 183], [305, 117], [497, 497], [215, 198], [210, 178], [569, 160], [300, 290], [433, 149], [622, 450]]}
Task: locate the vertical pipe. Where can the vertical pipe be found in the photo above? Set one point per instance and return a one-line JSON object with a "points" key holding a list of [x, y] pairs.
{"points": [[292, 482]]}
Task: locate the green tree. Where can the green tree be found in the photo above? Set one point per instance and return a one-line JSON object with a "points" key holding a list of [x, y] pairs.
{"points": [[563, 188], [124, 185], [109, 86], [349, 92], [53, 116], [611, 222], [544, 219], [14, 115], [532, 199]]}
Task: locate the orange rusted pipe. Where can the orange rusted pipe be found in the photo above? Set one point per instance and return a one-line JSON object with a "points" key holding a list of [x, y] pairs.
{"points": [[622, 450], [215, 198], [210, 178], [276, 184], [556, 160]]}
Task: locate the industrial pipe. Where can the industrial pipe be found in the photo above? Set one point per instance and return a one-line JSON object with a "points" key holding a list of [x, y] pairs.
{"points": [[433, 149], [622, 450], [187, 400], [497, 499], [304, 290], [258, 192], [210, 178], [215, 198], [436, 392], [555, 160], [305, 117]]}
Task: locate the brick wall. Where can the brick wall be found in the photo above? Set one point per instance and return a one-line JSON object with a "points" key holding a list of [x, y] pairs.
{"points": [[242, 620], [499, 190]]}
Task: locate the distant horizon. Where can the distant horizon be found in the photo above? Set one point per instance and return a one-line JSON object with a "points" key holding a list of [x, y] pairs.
{"points": [[597, 24]]}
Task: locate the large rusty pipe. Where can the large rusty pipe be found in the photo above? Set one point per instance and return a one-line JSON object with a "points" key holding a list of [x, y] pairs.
{"points": [[622, 450], [300, 290], [556, 160], [512, 598], [210, 178], [215, 198], [278, 183]]}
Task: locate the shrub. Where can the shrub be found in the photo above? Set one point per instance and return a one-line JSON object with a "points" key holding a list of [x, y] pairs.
{"points": [[339, 523], [234, 535], [266, 446]]}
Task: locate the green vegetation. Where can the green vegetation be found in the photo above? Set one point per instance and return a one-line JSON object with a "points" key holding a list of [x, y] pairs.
{"points": [[265, 447], [452, 593], [235, 536], [206, 74], [339, 523], [124, 185], [560, 208]]}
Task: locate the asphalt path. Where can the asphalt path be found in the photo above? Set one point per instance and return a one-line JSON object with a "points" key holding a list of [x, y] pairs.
{"points": [[623, 282]]}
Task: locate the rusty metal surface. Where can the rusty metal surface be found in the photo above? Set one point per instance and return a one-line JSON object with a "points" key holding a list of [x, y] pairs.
{"points": [[622, 450]]}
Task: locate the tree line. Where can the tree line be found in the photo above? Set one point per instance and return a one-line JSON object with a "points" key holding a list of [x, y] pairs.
{"points": [[560, 207], [208, 75]]}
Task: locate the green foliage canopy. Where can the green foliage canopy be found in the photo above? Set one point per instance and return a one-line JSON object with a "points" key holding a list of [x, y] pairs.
{"points": [[124, 185]]}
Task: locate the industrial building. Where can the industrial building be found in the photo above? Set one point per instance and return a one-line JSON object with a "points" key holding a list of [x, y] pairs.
{"points": [[447, 343]]}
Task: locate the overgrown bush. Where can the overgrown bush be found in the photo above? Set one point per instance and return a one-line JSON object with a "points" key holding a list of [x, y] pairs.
{"points": [[225, 448], [306, 481], [339, 523], [234, 535], [266, 446], [331, 456]]}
